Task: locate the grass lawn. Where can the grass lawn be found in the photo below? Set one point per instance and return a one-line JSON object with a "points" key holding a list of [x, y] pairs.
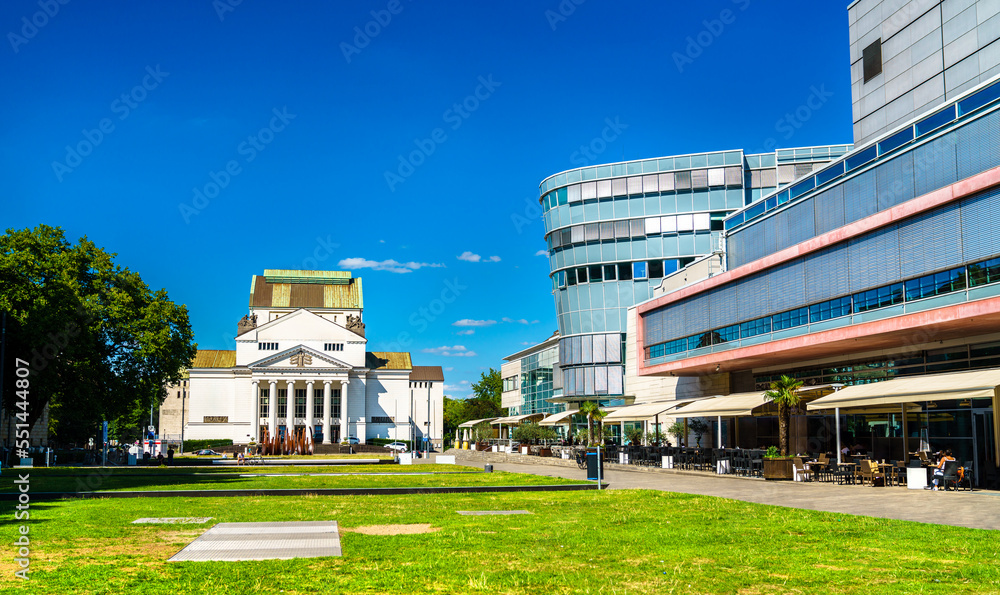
{"points": [[631, 541], [75, 479]]}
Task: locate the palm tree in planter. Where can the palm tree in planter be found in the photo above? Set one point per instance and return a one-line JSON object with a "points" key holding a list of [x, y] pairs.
{"points": [[593, 412], [783, 392]]}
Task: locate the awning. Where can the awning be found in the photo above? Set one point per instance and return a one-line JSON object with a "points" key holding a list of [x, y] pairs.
{"points": [[975, 384], [644, 411], [735, 405], [475, 422], [515, 419], [559, 419]]}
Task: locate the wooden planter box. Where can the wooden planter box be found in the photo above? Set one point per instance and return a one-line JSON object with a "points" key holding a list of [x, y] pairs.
{"points": [[545, 452], [778, 469]]}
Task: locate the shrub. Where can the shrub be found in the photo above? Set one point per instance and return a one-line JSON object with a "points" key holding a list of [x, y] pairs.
{"points": [[192, 445]]}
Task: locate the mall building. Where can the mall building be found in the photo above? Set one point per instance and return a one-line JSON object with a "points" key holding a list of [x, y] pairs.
{"points": [[877, 274], [301, 365]]}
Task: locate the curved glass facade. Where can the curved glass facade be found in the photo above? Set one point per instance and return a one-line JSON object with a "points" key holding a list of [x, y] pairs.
{"points": [[614, 231]]}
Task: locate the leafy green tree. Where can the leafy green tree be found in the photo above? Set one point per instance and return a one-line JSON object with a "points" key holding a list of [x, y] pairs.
{"points": [[100, 344], [454, 414], [485, 401], [783, 392]]}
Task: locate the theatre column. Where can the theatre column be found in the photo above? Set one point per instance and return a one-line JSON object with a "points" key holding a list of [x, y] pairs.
{"points": [[343, 409], [309, 408], [327, 412], [272, 408], [255, 410], [290, 407]]}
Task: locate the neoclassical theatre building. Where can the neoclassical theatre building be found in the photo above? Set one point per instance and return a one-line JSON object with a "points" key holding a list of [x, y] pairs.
{"points": [[301, 365]]}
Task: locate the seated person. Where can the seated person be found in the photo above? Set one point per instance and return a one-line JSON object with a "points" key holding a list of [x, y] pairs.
{"points": [[939, 470]]}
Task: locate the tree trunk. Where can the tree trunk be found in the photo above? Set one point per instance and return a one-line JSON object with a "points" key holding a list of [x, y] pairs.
{"points": [[590, 430], [783, 428]]}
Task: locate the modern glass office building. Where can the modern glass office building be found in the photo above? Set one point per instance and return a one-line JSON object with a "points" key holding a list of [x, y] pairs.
{"points": [[614, 231], [529, 379], [884, 264]]}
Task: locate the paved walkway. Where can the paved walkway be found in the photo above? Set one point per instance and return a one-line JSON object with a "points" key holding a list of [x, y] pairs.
{"points": [[978, 509]]}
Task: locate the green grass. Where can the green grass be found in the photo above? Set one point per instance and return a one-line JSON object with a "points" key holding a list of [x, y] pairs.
{"points": [[74, 479], [583, 542]]}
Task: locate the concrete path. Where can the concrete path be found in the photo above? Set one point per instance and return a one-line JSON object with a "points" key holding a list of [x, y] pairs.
{"points": [[978, 509]]}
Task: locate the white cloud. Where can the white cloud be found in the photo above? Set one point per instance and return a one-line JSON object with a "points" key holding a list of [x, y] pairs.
{"points": [[453, 388], [518, 321], [449, 369], [381, 241], [464, 382], [542, 253], [454, 351], [392, 266], [470, 331], [472, 322], [473, 257]]}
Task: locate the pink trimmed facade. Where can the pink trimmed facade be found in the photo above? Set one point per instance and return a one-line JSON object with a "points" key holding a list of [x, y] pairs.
{"points": [[959, 320]]}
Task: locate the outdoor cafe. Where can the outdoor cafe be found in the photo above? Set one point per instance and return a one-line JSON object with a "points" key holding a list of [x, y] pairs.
{"points": [[892, 432]]}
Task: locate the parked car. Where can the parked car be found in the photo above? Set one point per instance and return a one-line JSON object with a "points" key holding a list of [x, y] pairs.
{"points": [[350, 440], [208, 452], [397, 446]]}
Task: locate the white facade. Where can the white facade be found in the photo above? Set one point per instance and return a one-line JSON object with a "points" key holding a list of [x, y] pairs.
{"points": [[303, 368]]}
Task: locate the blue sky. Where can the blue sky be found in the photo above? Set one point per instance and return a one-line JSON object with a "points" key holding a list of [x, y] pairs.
{"points": [[403, 140]]}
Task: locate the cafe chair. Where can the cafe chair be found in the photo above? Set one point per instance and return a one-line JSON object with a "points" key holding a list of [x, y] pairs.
{"points": [[950, 474], [870, 472], [799, 470], [967, 476]]}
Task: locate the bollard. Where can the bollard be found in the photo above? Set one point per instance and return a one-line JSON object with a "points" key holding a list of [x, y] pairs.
{"points": [[488, 468]]}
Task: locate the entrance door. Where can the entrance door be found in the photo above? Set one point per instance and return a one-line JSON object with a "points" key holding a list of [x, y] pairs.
{"points": [[983, 441]]}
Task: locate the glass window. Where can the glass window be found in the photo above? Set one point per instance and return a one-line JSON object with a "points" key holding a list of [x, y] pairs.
{"points": [[581, 275], [264, 400], [571, 277], [755, 327], [790, 319], [610, 271], [300, 402], [655, 269], [830, 309], [595, 273], [317, 402], [282, 403], [982, 273], [726, 334], [336, 403], [936, 284], [639, 270], [625, 271], [878, 298]]}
